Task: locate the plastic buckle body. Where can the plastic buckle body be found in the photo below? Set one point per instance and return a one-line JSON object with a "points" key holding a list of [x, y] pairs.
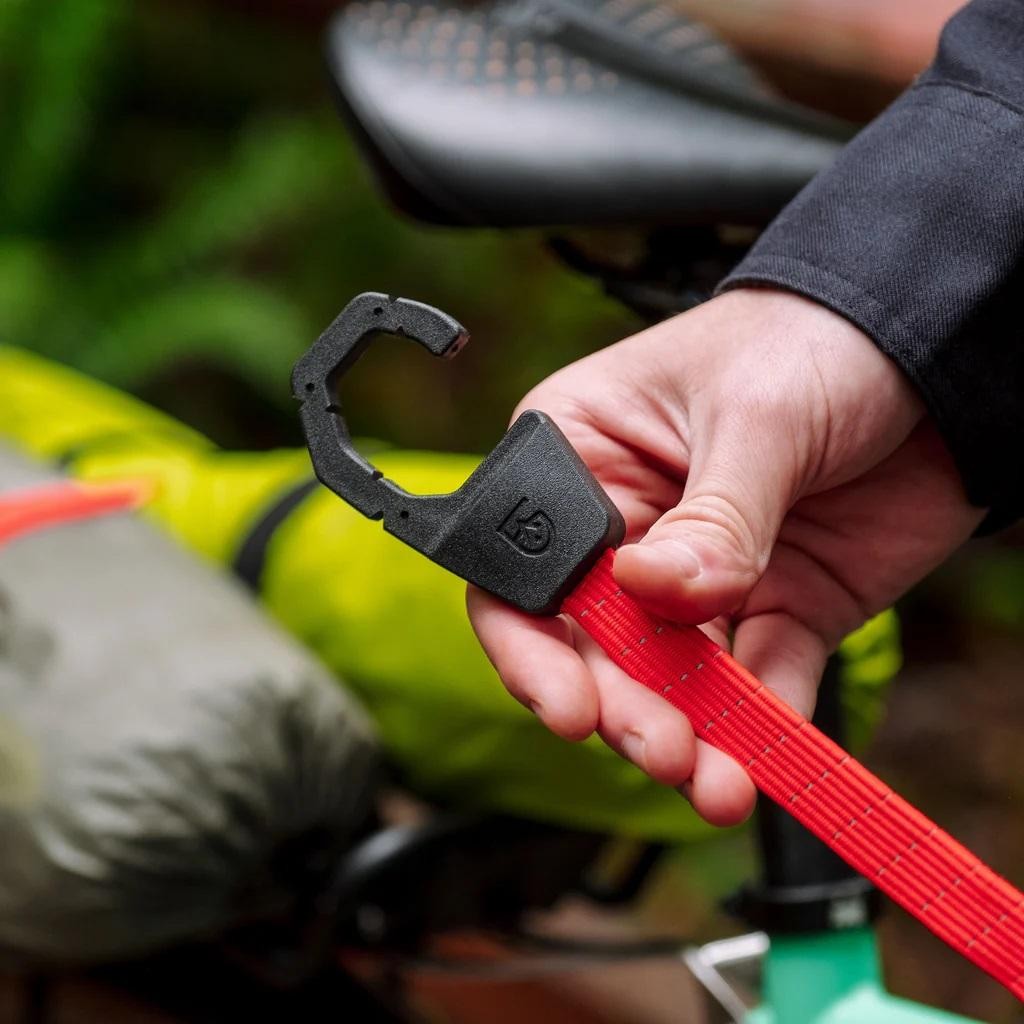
{"points": [[527, 524]]}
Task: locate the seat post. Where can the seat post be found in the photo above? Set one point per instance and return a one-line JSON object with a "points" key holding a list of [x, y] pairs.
{"points": [[804, 887]]}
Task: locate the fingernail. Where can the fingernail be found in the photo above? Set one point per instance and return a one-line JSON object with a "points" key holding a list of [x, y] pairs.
{"points": [[680, 555], [634, 746]]}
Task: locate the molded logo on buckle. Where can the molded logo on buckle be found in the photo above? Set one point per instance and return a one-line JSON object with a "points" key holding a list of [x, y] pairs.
{"points": [[528, 530]]}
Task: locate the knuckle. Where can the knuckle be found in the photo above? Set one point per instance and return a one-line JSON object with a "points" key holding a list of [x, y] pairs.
{"points": [[727, 527]]}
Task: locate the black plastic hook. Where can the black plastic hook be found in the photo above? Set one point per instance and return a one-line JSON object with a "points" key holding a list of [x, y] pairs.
{"points": [[529, 521]]}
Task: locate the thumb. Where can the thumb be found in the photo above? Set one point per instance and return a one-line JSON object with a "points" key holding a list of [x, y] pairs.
{"points": [[702, 558]]}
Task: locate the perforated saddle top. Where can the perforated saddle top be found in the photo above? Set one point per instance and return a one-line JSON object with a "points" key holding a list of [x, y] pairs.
{"points": [[567, 112]]}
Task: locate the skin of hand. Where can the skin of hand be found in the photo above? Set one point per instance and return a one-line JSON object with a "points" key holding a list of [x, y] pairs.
{"points": [[780, 482]]}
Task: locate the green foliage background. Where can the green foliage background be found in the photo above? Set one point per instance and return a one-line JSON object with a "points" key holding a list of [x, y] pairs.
{"points": [[182, 213]]}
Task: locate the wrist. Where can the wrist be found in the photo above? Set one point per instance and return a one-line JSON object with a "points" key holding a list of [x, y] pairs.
{"points": [[854, 403]]}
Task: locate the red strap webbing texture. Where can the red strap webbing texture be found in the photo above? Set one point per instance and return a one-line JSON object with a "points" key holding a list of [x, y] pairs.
{"points": [[49, 504], [886, 839]]}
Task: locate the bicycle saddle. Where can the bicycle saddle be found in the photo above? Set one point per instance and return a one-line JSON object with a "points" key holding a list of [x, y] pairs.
{"points": [[570, 112]]}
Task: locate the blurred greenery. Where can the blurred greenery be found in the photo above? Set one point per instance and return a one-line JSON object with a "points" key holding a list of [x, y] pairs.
{"points": [[995, 592], [182, 213]]}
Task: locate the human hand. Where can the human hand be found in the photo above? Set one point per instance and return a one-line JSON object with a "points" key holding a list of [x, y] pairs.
{"points": [[780, 484]]}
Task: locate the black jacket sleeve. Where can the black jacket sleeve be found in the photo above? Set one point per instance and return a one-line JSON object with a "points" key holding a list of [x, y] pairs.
{"points": [[916, 234]]}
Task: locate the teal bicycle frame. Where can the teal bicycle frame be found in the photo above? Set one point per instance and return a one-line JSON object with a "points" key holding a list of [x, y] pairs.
{"points": [[834, 978], [831, 977]]}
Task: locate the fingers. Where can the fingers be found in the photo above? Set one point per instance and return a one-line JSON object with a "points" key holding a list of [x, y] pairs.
{"points": [[559, 672], [537, 662], [720, 790], [638, 723], [656, 737], [564, 677], [574, 693], [785, 655], [702, 558]]}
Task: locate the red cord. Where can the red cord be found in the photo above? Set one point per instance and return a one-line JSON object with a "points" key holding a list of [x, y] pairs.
{"points": [[885, 838]]}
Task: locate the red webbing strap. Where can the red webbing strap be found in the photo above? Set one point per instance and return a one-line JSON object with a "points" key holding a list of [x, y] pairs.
{"points": [[877, 832], [32, 508]]}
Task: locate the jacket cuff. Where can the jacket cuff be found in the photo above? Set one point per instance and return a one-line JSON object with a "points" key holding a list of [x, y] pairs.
{"points": [[916, 235]]}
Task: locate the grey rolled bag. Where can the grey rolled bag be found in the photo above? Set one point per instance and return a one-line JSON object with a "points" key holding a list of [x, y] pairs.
{"points": [[163, 746]]}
